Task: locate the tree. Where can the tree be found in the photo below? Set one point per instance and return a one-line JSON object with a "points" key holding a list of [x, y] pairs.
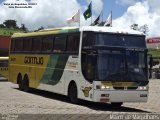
{"points": [[134, 26], [23, 27], [2, 26], [41, 28], [143, 28], [10, 24]]}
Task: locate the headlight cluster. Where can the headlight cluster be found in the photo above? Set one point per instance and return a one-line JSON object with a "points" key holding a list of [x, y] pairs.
{"points": [[143, 88], [102, 87]]}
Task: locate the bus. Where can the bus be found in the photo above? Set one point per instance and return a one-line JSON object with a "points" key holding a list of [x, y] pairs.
{"points": [[98, 64], [4, 67]]}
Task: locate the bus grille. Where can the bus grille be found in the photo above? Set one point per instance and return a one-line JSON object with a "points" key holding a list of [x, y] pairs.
{"points": [[125, 88]]}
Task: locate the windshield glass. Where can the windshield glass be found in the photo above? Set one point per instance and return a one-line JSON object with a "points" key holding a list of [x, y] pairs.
{"points": [[109, 63], [116, 57], [116, 40], [121, 66], [120, 40]]}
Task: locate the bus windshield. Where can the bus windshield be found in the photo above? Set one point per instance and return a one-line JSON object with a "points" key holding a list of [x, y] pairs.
{"points": [[116, 40], [120, 40], [119, 66], [117, 57]]}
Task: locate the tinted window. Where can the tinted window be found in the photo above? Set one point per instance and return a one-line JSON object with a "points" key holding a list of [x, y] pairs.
{"points": [[120, 40], [12, 44], [27, 44], [36, 44], [47, 44], [88, 39], [3, 63], [108, 39], [60, 43], [73, 43], [18, 44]]}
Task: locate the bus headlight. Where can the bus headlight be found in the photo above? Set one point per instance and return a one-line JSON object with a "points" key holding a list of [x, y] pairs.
{"points": [[102, 87], [143, 88], [105, 87]]}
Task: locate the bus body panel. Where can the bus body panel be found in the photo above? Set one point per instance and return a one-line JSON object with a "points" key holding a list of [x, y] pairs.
{"points": [[120, 96], [4, 72], [108, 91]]}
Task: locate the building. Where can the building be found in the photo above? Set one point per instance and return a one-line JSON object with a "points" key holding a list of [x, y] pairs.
{"points": [[153, 43], [4, 45]]}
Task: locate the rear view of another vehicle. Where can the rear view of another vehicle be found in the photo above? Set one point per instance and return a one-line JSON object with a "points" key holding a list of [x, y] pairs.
{"points": [[4, 67]]}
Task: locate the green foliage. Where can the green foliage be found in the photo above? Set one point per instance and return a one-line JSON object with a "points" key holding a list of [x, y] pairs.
{"points": [[10, 24], [9, 32], [143, 28], [2, 26], [23, 27], [9, 27], [154, 52]]}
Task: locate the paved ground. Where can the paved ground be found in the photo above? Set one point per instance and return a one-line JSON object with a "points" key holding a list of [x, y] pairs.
{"points": [[13, 101]]}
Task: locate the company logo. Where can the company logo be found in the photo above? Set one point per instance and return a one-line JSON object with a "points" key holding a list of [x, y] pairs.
{"points": [[33, 60]]}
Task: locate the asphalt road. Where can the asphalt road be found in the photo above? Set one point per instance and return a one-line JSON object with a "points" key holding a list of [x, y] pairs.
{"points": [[40, 104]]}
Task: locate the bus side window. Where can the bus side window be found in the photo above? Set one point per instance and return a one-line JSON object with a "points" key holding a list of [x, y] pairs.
{"points": [[88, 66], [36, 44], [27, 44], [73, 44], [12, 45], [18, 44], [47, 43], [88, 39], [60, 44]]}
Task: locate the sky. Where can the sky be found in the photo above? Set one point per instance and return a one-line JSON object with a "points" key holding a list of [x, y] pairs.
{"points": [[54, 13]]}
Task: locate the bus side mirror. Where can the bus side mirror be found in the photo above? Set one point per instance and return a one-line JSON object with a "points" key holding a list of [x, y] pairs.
{"points": [[150, 62], [150, 65]]}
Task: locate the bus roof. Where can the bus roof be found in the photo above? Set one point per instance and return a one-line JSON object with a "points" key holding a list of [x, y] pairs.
{"points": [[111, 30], [4, 58], [77, 29]]}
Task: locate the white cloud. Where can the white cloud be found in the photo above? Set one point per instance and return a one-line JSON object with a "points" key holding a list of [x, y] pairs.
{"points": [[48, 13], [126, 2], [141, 13]]}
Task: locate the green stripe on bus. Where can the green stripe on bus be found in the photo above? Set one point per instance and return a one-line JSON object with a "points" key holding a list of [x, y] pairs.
{"points": [[55, 69]]}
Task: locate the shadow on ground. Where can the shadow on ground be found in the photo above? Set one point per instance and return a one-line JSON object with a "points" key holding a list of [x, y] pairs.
{"points": [[91, 105]]}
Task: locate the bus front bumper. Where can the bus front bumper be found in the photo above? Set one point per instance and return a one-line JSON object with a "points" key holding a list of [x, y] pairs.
{"points": [[120, 96]]}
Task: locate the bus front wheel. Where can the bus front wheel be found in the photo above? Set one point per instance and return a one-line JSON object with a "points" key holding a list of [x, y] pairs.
{"points": [[73, 93]]}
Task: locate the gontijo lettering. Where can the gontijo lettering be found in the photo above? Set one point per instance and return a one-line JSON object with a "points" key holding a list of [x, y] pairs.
{"points": [[33, 60]]}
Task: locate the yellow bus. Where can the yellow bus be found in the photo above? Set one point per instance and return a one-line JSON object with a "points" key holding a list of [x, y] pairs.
{"points": [[4, 67], [99, 64]]}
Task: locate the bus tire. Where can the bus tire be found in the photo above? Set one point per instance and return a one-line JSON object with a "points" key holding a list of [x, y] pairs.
{"points": [[26, 84], [72, 93], [116, 104], [19, 82]]}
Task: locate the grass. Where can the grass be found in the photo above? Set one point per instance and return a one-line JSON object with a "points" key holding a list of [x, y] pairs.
{"points": [[9, 32], [155, 53]]}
